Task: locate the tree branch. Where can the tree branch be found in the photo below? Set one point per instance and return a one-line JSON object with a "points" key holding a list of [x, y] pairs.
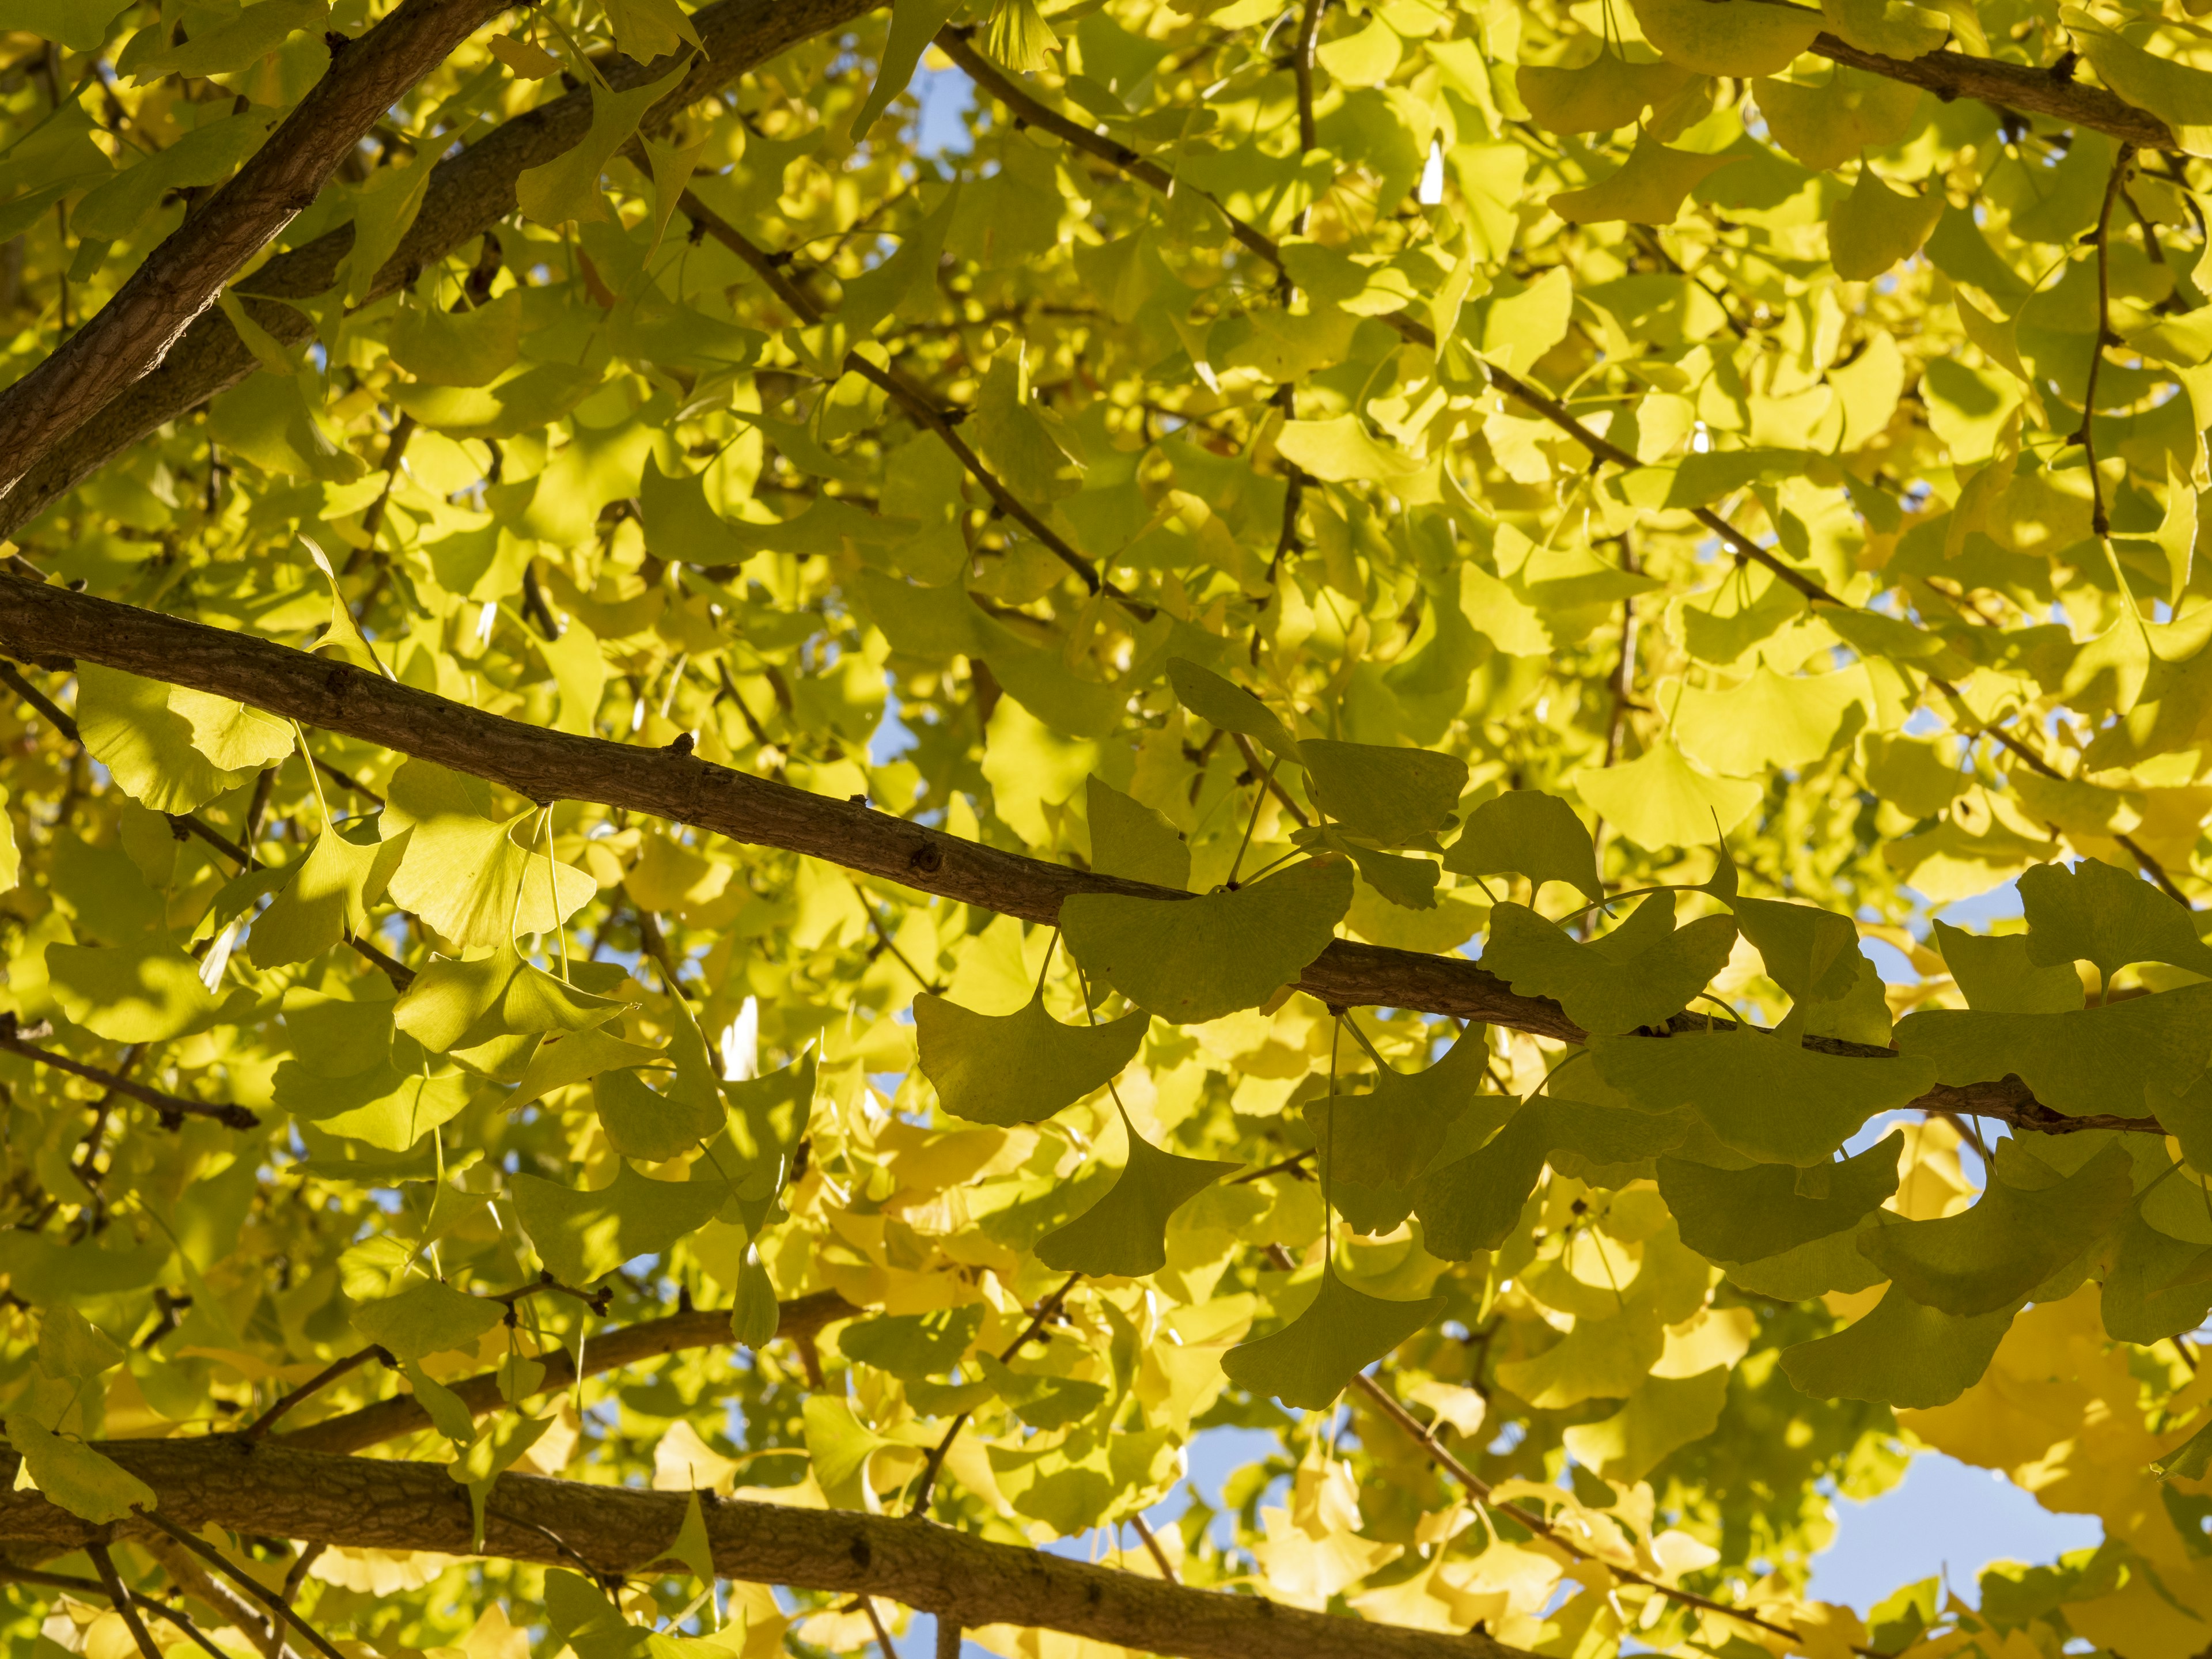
{"points": [[169, 1105], [2019, 86], [272, 1490], [51, 622], [180, 279], [466, 194]]}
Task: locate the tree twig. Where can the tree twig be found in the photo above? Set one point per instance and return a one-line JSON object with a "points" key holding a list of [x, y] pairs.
{"points": [[1046, 1310], [169, 1105], [245, 1581], [12, 1573], [321, 1380], [127, 1605]]}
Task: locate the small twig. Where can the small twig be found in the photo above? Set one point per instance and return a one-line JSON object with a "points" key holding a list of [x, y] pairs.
{"points": [[11, 1573], [875, 1620], [231, 1116], [1274, 785], [244, 1580], [127, 1605], [2100, 522], [1045, 1310], [1159, 1555], [322, 1379], [1294, 1165], [296, 1574]]}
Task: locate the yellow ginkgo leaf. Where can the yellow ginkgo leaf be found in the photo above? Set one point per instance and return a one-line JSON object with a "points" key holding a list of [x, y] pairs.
{"points": [[1649, 190], [1726, 37]]}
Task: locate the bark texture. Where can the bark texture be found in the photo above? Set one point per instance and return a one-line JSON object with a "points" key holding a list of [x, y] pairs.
{"points": [[467, 194], [273, 1490]]}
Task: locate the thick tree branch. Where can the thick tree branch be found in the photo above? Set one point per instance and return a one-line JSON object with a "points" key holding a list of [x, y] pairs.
{"points": [[48, 623], [468, 193], [607, 1350], [180, 279], [2019, 86], [272, 1490]]}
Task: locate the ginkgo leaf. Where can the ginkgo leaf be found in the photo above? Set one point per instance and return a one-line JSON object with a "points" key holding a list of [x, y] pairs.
{"points": [[1874, 227], [1827, 123], [1390, 795], [2013, 1238], [655, 1124], [2151, 1291], [1373, 1147], [1605, 95], [88, 1483], [2082, 1061], [1812, 954], [457, 1004], [1832, 1263], [1996, 975], [584, 1236], [2106, 917], [1526, 832], [1660, 799], [327, 899], [1765, 1097], [1019, 1068], [579, 1057], [1311, 1360], [912, 1346], [1771, 719], [1733, 37], [1600, 1359], [1340, 450], [1125, 1232], [479, 880], [130, 725], [1129, 839], [384, 1107], [1649, 188], [768, 1117], [1042, 1402], [1472, 1203], [145, 990], [1895, 28], [1194, 960], [1769, 1209], [1225, 704], [1408, 883], [1640, 972], [1661, 1416], [430, 1316], [568, 186], [1904, 1353]]}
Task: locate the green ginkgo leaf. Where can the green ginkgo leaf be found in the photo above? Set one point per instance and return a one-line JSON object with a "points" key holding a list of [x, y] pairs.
{"points": [[131, 726], [1765, 1095], [1128, 838], [2011, 1239], [1833, 1263], [1640, 974], [90, 1485], [1387, 1138], [584, 1236], [768, 1117], [1019, 1068], [1736, 38], [1408, 883], [2106, 917], [1662, 798], [577, 1058], [1194, 960], [568, 186], [1812, 954], [1472, 1203], [1124, 1234], [145, 990], [653, 1124], [1996, 976], [460, 1004], [1526, 832], [1042, 1402], [429, 1317], [1648, 190], [2152, 1290], [1603, 95], [2082, 1061], [912, 1346], [1748, 1215], [1390, 795], [1225, 704], [383, 1107], [1903, 1354], [1313, 1359], [480, 880], [328, 898]]}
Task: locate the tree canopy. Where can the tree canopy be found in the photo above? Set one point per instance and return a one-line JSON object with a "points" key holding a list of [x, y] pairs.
{"points": [[783, 784]]}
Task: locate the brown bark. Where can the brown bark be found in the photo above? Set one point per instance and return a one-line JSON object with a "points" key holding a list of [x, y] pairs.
{"points": [[49, 623], [272, 1490], [180, 279], [467, 194]]}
